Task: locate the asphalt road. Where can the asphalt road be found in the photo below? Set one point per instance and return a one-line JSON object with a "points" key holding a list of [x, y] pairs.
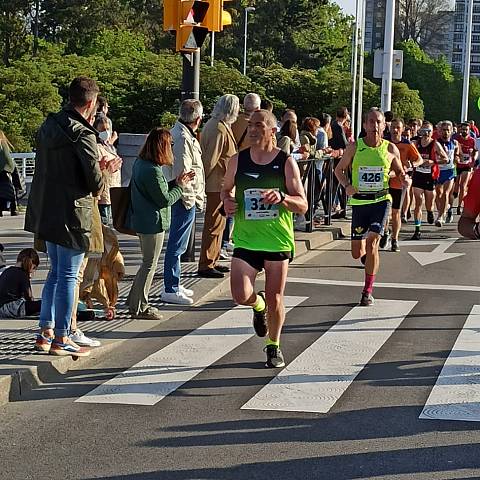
{"points": [[362, 380]]}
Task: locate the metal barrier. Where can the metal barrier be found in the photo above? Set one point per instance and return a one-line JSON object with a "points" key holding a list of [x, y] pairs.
{"points": [[25, 164]]}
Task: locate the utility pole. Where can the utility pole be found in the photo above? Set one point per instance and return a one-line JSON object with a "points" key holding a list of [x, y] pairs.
{"points": [[362, 60], [355, 129], [467, 51], [212, 53], [386, 99]]}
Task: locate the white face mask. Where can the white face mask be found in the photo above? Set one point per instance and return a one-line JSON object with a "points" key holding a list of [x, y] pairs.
{"points": [[105, 135]]}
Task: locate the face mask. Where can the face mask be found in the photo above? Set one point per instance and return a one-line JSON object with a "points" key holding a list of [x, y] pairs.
{"points": [[105, 135]]}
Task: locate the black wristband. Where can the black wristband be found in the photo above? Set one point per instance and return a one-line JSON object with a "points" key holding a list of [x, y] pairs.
{"points": [[282, 197]]}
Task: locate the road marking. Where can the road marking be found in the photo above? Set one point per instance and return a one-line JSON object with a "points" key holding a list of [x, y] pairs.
{"points": [[161, 373], [412, 286], [456, 395], [436, 255], [321, 374]]}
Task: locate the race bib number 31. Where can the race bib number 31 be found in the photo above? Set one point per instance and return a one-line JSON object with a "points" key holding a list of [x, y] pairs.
{"points": [[255, 209], [370, 179]]}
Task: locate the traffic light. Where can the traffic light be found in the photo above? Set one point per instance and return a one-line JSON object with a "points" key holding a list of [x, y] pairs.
{"points": [[217, 17], [187, 18]]}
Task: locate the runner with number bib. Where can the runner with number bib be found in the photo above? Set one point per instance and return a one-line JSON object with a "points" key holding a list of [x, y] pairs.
{"points": [[370, 160], [262, 188]]}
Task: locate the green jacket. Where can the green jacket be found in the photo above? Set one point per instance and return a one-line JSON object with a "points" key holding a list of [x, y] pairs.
{"points": [[151, 198], [67, 176], [7, 163]]}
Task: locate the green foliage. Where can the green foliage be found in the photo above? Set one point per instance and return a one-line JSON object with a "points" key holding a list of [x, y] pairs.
{"points": [[406, 103]]}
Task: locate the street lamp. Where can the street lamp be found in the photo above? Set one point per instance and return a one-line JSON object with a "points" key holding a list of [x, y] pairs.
{"points": [[247, 9]]}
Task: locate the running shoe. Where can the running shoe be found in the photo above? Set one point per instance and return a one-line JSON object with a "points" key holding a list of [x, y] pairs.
{"points": [[274, 357], [81, 339], [367, 300], [403, 219], [260, 318], [224, 254], [449, 218], [178, 298], [439, 222], [430, 218], [42, 343], [395, 247], [417, 235], [384, 240], [64, 349]]}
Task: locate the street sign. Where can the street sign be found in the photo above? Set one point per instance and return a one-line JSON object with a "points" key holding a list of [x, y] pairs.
{"points": [[397, 64]]}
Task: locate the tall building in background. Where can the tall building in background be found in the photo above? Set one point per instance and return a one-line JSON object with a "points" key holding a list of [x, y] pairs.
{"points": [[459, 34], [375, 23]]}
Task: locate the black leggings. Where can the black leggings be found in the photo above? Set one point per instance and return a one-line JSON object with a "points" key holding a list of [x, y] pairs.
{"points": [[32, 307]]}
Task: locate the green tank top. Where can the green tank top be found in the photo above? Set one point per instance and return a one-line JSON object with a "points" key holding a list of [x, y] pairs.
{"points": [[257, 226], [370, 169]]}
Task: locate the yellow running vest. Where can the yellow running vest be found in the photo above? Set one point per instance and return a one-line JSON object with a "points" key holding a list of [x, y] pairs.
{"points": [[370, 169]]}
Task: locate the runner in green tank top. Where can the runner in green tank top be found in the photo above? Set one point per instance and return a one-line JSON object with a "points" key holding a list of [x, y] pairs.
{"points": [[262, 188], [370, 160]]}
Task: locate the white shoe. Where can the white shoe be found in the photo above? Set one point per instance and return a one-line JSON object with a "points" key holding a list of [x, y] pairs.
{"points": [[178, 298], [229, 247], [81, 339], [224, 254], [185, 291]]}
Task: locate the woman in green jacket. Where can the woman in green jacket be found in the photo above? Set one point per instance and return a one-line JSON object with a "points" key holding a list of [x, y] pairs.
{"points": [[7, 166], [151, 198]]}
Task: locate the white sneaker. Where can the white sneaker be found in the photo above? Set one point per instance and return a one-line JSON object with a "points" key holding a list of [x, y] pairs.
{"points": [[179, 298], [224, 254], [186, 291], [81, 339]]}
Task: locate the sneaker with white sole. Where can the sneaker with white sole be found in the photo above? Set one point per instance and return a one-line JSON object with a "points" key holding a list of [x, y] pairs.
{"points": [[81, 339], [64, 349], [186, 291], [178, 298], [224, 254]]}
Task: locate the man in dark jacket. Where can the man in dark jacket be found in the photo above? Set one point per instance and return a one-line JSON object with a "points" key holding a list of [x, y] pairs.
{"points": [[67, 177]]}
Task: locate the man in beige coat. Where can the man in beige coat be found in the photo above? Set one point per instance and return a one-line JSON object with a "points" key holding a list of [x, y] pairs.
{"points": [[218, 145], [251, 103]]}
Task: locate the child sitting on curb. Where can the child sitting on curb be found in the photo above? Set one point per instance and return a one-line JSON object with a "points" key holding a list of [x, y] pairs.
{"points": [[16, 299]]}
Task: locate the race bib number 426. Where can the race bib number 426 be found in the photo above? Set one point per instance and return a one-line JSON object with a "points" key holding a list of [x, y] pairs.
{"points": [[370, 179], [255, 209]]}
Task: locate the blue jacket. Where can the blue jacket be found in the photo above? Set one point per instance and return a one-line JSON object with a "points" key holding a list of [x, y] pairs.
{"points": [[151, 198]]}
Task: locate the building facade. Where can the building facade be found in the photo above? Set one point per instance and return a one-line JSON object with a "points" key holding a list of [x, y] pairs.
{"points": [[459, 35]]}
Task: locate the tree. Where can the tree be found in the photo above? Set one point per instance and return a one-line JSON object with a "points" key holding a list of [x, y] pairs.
{"points": [[424, 21], [13, 28], [406, 103]]}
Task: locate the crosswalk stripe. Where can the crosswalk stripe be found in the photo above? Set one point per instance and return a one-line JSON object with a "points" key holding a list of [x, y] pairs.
{"points": [[319, 376], [161, 373], [456, 395], [408, 286]]}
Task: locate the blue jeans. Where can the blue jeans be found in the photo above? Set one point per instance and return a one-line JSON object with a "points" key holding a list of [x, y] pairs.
{"points": [[180, 228], [59, 289]]}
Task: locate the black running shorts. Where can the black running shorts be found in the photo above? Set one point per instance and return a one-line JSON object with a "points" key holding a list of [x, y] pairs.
{"points": [[256, 259], [423, 181], [396, 194]]}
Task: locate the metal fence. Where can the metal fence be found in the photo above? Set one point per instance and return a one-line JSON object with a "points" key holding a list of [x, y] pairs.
{"points": [[25, 164]]}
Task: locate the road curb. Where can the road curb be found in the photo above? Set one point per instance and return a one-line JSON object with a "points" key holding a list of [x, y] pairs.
{"points": [[15, 385]]}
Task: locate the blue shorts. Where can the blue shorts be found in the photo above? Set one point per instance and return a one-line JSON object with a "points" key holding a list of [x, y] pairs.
{"points": [[445, 176], [369, 218]]}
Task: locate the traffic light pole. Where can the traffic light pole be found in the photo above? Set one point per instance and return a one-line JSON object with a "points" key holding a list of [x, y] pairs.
{"points": [[191, 89]]}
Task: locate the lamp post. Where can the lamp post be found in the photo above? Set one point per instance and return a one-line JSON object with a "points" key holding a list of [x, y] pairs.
{"points": [[247, 9], [467, 51]]}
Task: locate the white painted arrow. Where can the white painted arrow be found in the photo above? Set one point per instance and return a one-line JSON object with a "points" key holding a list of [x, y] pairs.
{"points": [[436, 255]]}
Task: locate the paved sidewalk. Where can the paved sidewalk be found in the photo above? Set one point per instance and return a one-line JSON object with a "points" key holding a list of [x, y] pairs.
{"points": [[21, 367]]}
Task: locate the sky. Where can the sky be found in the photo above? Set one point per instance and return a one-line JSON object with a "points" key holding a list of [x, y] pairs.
{"points": [[347, 5]]}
